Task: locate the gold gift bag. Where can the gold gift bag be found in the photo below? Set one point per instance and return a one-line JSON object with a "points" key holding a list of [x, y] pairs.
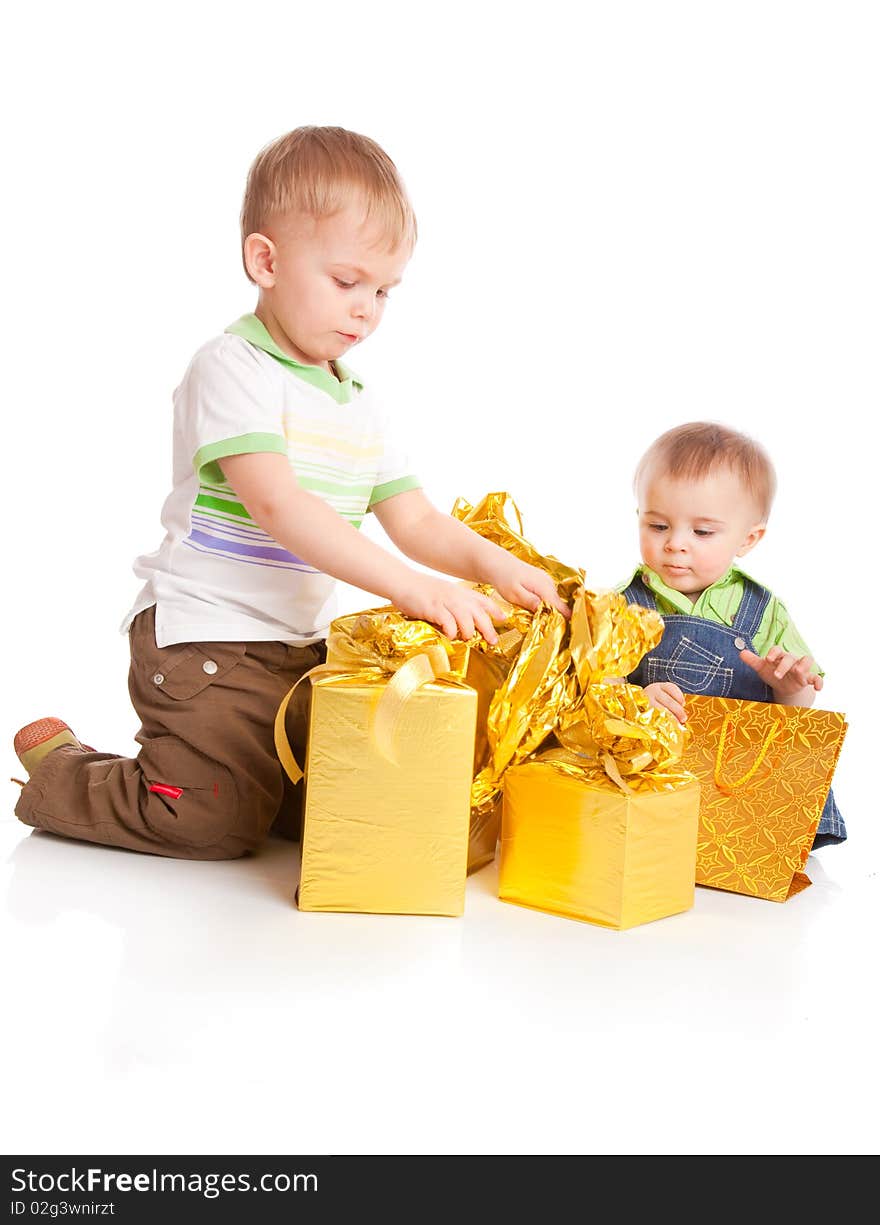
{"points": [[764, 771]]}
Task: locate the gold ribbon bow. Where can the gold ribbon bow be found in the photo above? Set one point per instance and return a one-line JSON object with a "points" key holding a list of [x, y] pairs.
{"points": [[371, 646]]}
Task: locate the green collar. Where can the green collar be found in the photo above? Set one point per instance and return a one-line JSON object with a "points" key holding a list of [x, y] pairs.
{"points": [[343, 389], [655, 583]]}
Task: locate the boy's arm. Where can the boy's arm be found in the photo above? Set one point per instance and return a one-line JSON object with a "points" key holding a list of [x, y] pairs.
{"points": [[435, 539], [311, 530]]}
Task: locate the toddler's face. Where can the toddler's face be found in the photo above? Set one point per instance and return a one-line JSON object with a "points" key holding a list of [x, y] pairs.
{"points": [[330, 280], [690, 531]]}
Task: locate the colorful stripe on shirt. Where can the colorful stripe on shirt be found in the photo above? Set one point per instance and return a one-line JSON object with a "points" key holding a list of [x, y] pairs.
{"points": [[222, 526]]}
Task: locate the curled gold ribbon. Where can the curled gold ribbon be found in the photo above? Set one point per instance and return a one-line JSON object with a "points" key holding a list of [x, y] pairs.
{"points": [[429, 665], [585, 764], [431, 662], [282, 743]]}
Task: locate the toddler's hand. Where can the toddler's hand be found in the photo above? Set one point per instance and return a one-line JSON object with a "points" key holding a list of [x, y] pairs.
{"points": [[524, 585], [664, 695], [457, 611], [786, 674]]}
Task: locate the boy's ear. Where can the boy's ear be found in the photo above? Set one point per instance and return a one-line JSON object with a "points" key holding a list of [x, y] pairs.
{"points": [[259, 259], [754, 535]]}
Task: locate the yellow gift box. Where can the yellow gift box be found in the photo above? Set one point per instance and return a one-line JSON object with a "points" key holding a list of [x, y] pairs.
{"points": [[380, 836], [576, 844], [604, 827], [388, 771]]}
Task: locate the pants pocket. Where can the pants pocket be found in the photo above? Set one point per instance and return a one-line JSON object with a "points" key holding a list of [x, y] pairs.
{"points": [[185, 670], [189, 799]]}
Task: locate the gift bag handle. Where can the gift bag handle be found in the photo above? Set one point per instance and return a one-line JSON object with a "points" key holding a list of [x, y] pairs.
{"points": [[728, 788]]}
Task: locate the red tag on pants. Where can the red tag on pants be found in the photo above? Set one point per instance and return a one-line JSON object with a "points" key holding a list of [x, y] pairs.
{"points": [[173, 793]]}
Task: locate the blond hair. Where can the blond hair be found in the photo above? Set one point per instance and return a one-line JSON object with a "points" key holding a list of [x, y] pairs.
{"points": [[318, 171], [692, 451]]}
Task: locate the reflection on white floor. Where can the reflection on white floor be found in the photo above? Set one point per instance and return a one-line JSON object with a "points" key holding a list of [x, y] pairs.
{"points": [[160, 1006]]}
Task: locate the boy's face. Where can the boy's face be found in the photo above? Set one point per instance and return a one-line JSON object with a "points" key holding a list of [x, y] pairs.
{"points": [[324, 282], [690, 531]]}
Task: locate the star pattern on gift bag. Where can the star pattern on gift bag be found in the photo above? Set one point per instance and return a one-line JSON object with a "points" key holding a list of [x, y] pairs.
{"points": [[764, 772]]}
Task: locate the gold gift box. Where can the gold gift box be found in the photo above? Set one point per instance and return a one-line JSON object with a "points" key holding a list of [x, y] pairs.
{"points": [[580, 846], [384, 836]]}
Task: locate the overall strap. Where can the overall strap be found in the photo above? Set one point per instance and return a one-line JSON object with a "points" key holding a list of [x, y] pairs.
{"points": [[638, 593], [751, 609]]}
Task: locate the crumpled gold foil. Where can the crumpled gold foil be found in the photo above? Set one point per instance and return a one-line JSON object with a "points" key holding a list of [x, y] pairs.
{"points": [[601, 827], [526, 706], [614, 722], [618, 719], [551, 689], [385, 638], [610, 636], [491, 518]]}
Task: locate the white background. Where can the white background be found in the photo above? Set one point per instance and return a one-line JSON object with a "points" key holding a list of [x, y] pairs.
{"points": [[631, 215]]}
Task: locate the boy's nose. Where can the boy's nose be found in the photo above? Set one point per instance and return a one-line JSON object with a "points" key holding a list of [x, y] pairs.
{"points": [[676, 542], [364, 307]]}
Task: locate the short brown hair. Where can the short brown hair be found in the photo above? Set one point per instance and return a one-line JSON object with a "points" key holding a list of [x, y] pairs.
{"points": [[317, 171], [700, 447]]}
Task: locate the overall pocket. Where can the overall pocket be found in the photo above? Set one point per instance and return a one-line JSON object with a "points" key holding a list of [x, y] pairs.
{"points": [[693, 668]]}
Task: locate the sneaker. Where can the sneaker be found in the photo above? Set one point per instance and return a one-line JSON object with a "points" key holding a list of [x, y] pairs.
{"points": [[35, 740]]}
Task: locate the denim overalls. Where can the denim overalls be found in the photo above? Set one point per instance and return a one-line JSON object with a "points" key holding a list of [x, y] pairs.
{"points": [[701, 656]]}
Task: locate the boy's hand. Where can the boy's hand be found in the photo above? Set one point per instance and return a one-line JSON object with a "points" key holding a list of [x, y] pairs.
{"points": [[524, 585], [793, 680], [664, 695], [457, 611]]}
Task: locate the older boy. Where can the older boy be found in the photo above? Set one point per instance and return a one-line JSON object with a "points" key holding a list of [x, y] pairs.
{"points": [[704, 495], [279, 451]]}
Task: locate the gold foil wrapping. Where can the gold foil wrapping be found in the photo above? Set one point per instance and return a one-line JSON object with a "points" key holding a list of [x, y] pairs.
{"points": [[496, 518], [551, 686], [617, 719]]}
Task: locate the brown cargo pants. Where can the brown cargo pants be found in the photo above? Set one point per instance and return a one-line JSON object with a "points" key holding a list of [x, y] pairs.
{"points": [[207, 783]]}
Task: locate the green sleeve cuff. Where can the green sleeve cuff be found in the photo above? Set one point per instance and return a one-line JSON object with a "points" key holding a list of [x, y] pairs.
{"points": [[778, 629], [205, 459], [390, 488]]}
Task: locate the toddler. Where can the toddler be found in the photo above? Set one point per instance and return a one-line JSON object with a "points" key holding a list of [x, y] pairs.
{"points": [[279, 452], [704, 494]]}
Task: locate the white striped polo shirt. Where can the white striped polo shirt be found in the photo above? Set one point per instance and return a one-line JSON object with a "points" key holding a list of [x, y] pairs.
{"points": [[217, 576]]}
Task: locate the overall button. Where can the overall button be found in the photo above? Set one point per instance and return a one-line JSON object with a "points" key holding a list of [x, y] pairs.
{"points": [[158, 678], [739, 643], [209, 666]]}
